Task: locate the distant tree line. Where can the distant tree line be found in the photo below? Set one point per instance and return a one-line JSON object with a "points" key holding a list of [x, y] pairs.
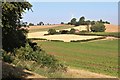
{"points": [[83, 22], [96, 26]]}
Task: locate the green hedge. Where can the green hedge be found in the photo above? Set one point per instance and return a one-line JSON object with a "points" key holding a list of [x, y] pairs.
{"points": [[56, 40], [37, 39], [112, 34], [87, 39]]}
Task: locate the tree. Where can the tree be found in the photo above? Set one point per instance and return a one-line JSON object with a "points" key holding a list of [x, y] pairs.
{"points": [[92, 22], [101, 21], [40, 23], [82, 20], [73, 21], [99, 27], [62, 22], [88, 22], [77, 24], [12, 34], [51, 31], [69, 23], [31, 24], [107, 22]]}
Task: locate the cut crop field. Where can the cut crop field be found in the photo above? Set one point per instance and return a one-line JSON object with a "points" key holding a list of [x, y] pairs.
{"points": [[46, 28], [99, 56], [109, 28]]}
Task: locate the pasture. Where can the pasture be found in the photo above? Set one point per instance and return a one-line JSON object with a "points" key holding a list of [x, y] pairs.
{"points": [[98, 56]]}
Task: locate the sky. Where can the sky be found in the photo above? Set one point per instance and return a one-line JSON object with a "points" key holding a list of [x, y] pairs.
{"points": [[57, 12]]}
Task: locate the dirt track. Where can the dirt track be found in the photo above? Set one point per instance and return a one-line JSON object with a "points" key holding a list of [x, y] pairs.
{"points": [[75, 73]]}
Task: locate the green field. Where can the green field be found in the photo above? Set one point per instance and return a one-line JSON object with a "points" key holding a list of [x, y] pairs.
{"points": [[99, 56], [114, 34], [46, 29]]}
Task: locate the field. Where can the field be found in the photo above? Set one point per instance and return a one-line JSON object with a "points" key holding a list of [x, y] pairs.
{"points": [[46, 28], [112, 28], [61, 37], [97, 56], [109, 28]]}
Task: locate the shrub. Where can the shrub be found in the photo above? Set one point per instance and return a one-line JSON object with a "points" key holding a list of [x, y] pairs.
{"points": [[37, 39], [72, 31], [38, 56], [87, 39], [57, 40], [51, 31], [99, 27], [62, 22], [64, 31], [83, 32], [7, 57]]}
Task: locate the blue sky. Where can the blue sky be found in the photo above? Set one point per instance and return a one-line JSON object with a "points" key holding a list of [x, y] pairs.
{"points": [[57, 12]]}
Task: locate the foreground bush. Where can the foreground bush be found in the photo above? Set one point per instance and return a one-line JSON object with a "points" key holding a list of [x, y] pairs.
{"points": [[25, 54]]}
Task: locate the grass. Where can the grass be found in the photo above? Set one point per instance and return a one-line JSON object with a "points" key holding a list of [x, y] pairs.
{"points": [[46, 29], [98, 56], [114, 34]]}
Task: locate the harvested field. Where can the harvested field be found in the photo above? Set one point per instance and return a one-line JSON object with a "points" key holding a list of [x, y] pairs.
{"points": [[111, 28], [62, 37], [44, 26], [69, 37]]}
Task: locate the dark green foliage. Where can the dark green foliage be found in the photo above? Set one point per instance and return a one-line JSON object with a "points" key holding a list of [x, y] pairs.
{"points": [[88, 22], [7, 57], [62, 22], [107, 22], [73, 21], [64, 31], [104, 22], [51, 31], [87, 39], [38, 56], [37, 39], [72, 31], [77, 24], [99, 27], [40, 23], [82, 20], [13, 36], [31, 24], [69, 23], [57, 40], [92, 22]]}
